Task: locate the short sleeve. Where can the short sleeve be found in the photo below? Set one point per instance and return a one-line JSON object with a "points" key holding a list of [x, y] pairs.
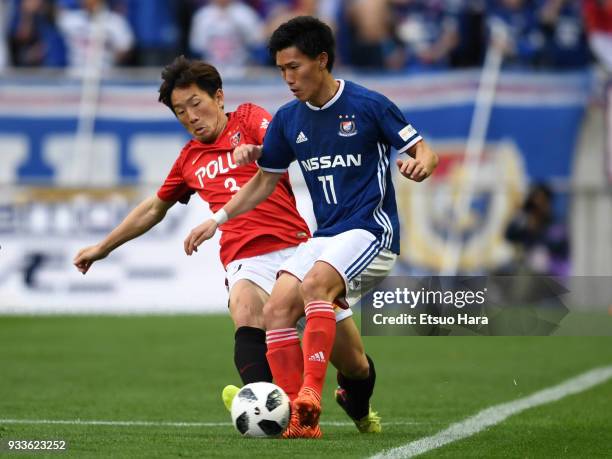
{"points": [[258, 122], [174, 187], [396, 130], [277, 155]]}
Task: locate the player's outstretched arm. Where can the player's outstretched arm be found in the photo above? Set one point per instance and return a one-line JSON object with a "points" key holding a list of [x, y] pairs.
{"points": [[420, 164], [255, 191], [140, 220]]}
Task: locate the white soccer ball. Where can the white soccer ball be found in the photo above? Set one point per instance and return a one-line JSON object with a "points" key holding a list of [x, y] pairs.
{"points": [[261, 409]]}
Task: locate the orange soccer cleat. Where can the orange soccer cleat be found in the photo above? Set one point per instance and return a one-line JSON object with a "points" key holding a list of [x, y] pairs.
{"points": [[296, 430], [307, 406], [305, 412]]}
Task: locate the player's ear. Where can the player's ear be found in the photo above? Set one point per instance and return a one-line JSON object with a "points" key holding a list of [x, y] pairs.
{"points": [[323, 58], [219, 98]]}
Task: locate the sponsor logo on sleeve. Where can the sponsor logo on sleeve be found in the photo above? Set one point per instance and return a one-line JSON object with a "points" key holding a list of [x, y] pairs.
{"points": [[407, 132]]}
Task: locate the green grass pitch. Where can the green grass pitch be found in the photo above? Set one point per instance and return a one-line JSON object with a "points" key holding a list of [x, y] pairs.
{"points": [[172, 369]]}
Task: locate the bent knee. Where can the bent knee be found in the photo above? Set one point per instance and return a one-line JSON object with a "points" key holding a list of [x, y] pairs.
{"points": [[316, 287], [279, 314]]}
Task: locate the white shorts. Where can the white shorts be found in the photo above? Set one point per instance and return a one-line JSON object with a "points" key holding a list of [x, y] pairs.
{"points": [[355, 254], [262, 270]]}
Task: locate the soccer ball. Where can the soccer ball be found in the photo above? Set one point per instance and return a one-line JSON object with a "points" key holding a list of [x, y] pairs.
{"points": [[261, 409]]}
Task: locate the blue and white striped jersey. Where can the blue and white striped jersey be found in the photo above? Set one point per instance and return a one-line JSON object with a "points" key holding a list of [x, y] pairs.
{"points": [[343, 149]]}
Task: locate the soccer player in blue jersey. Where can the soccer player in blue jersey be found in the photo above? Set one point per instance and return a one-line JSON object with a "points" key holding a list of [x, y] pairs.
{"points": [[341, 134]]}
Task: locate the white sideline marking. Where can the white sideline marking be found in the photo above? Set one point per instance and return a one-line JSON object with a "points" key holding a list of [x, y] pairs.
{"points": [[498, 413], [168, 423]]}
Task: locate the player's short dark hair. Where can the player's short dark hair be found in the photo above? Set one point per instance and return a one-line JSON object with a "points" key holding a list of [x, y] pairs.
{"points": [[183, 72], [308, 34]]}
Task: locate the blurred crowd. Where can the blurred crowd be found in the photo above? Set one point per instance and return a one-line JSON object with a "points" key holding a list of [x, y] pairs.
{"points": [[390, 35]]}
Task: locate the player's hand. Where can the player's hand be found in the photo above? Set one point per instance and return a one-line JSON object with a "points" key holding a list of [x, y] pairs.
{"points": [[412, 169], [198, 235], [246, 154], [421, 166], [85, 257]]}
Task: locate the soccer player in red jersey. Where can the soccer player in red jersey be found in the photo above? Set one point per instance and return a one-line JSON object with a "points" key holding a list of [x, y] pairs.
{"points": [[254, 245]]}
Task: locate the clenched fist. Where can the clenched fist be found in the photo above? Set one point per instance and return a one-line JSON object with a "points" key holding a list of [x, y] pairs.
{"points": [[85, 258], [420, 164], [246, 154], [413, 169]]}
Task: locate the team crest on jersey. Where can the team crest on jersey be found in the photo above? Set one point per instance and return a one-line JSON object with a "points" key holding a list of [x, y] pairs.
{"points": [[348, 128], [235, 139]]}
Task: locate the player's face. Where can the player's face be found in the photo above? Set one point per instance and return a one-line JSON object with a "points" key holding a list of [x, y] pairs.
{"points": [[303, 75], [199, 113]]}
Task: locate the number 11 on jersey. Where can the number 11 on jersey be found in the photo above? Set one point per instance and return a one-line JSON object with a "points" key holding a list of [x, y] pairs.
{"points": [[328, 182]]}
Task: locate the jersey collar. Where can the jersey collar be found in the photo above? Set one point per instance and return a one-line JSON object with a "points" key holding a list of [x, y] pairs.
{"points": [[331, 101]]}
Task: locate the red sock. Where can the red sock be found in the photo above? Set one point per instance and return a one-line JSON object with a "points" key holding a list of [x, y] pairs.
{"points": [[285, 359], [318, 342]]}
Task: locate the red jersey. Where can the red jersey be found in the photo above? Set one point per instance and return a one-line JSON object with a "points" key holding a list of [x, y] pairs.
{"points": [[209, 170], [597, 15]]}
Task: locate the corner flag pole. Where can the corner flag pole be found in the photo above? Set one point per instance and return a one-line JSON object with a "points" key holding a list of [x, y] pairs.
{"points": [[82, 167], [485, 97]]}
